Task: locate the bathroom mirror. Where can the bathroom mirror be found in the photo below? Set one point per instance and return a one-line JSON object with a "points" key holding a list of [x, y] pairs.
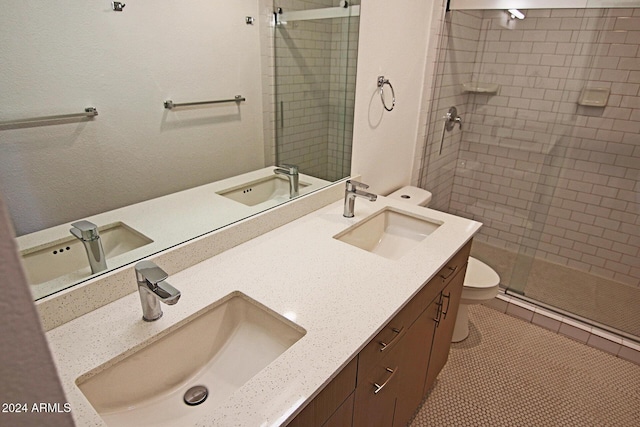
{"points": [[128, 155]]}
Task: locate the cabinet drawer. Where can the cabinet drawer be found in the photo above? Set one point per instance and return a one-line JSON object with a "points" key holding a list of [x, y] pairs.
{"points": [[454, 266], [321, 408], [343, 417], [386, 340], [377, 390]]}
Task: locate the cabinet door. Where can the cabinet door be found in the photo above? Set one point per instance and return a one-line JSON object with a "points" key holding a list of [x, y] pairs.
{"points": [[415, 348], [446, 321]]}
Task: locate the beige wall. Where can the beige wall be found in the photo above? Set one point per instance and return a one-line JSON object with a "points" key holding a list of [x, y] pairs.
{"points": [[27, 372]]}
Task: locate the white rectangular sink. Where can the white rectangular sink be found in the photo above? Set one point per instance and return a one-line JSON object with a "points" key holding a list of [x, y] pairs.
{"points": [[220, 348], [390, 233], [275, 188], [52, 260]]}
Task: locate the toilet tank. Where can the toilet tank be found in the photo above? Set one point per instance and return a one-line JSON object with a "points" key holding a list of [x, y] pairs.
{"points": [[413, 195]]}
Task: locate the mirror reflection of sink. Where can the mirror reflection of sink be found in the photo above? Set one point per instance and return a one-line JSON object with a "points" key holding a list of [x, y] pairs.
{"points": [[220, 348], [389, 233], [261, 190], [64, 256]]}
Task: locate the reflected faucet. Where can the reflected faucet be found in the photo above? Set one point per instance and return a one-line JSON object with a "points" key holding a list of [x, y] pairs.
{"points": [[291, 172], [87, 233], [153, 290], [352, 191]]}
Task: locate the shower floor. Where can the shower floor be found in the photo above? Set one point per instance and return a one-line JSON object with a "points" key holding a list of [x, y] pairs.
{"points": [[595, 298]]}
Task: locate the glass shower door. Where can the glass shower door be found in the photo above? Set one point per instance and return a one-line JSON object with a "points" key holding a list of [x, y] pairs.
{"points": [[549, 157], [315, 53]]}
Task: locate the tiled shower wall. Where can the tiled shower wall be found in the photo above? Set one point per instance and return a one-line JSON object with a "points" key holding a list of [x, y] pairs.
{"points": [[310, 77], [540, 171]]}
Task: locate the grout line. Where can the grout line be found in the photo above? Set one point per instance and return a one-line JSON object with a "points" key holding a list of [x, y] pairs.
{"points": [[592, 331]]}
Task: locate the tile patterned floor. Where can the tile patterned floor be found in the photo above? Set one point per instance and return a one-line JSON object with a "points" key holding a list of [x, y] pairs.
{"points": [[512, 373]]}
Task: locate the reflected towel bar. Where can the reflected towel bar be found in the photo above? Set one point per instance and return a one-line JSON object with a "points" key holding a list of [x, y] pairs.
{"points": [[88, 112], [169, 104]]}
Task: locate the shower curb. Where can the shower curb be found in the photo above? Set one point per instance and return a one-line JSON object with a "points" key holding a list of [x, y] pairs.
{"points": [[593, 337]]}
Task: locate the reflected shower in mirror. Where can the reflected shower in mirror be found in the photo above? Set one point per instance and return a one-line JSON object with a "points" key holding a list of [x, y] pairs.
{"points": [[149, 176]]}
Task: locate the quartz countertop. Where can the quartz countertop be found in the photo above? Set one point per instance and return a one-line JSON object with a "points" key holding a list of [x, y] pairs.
{"points": [[341, 295]]}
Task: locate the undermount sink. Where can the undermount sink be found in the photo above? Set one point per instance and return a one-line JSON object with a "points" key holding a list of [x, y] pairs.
{"points": [[220, 348], [389, 233], [52, 260], [261, 190]]}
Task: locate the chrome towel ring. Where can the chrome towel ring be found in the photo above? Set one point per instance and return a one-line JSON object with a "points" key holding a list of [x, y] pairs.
{"points": [[381, 82]]}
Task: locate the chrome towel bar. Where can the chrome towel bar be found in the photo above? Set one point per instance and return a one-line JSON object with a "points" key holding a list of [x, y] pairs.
{"points": [[88, 112], [169, 104]]}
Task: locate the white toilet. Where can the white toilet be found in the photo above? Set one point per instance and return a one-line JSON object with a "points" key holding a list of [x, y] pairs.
{"points": [[481, 282]]}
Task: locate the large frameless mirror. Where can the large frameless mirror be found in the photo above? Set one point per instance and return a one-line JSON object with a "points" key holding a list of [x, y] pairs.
{"points": [[152, 124]]}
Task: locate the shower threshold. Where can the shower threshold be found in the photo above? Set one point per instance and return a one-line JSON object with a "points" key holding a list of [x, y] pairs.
{"points": [[585, 322]]}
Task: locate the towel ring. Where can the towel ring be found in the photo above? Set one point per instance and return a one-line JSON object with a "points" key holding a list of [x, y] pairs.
{"points": [[381, 82]]}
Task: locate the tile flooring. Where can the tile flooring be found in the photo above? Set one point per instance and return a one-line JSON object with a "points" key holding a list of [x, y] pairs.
{"points": [[512, 373]]}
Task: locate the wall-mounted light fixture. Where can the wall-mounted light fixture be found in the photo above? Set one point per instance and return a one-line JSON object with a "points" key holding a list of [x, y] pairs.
{"points": [[515, 14]]}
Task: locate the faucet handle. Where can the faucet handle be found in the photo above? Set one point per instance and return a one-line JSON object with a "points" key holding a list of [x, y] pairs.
{"points": [[85, 230], [291, 168], [352, 185], [147, 272]]}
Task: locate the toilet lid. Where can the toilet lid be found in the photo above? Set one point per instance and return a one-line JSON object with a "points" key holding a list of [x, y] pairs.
{"points": [[480, 275]]}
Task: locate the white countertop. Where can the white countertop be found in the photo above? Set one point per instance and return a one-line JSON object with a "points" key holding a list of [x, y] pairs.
{"points": [[341, 295], [167, 220]]}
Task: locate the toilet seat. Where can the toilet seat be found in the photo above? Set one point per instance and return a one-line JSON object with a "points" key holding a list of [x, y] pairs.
{"points": [[480, 275], [480, 283]]}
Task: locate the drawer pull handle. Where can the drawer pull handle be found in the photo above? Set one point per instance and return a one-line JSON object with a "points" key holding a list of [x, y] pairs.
{"points": [[398, 332], [438, 312], [451, 271], [444, 312], [380, 387]]}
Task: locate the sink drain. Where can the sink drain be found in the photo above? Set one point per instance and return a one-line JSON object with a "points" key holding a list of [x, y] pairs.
{"points": [[196, 395]]}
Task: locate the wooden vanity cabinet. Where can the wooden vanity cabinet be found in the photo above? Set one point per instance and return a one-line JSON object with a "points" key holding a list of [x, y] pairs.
{"points": [[393, 372]]}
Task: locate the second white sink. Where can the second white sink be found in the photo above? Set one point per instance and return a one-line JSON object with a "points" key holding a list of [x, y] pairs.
{"points": [[221, 349], [64, 256], [389, 233], [261, 190]]}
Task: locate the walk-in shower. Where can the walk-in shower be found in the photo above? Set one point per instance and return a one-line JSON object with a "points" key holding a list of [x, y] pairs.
{"points": [[548, 157], [315, 53]]}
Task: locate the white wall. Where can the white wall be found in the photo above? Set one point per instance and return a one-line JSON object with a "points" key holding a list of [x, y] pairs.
{"points": [[26, 368], [60, 57], [393, 42]]}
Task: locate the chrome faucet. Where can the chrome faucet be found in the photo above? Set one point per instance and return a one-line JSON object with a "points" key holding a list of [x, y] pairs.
{"points": [[291, 172], [352, 191], [153, 290], [87, 233]]}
